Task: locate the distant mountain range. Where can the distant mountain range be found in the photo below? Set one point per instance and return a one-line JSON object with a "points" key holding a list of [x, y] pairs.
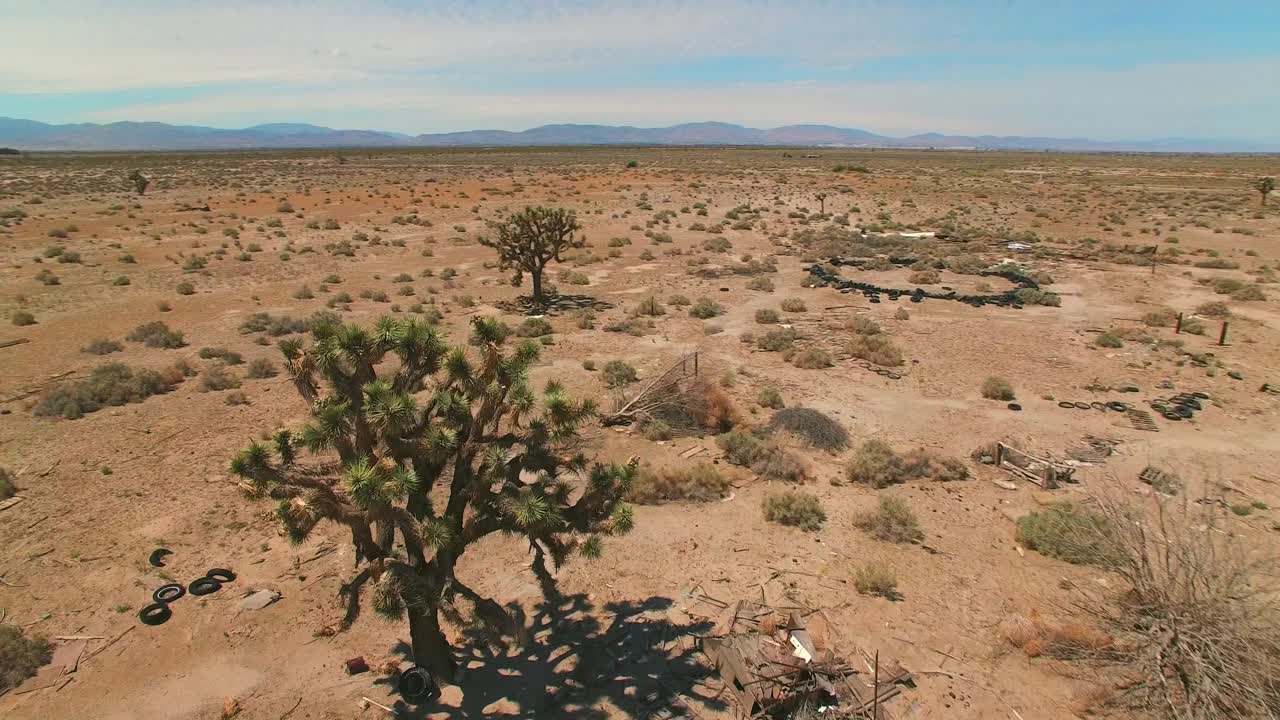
{"points": [[32, 135]]}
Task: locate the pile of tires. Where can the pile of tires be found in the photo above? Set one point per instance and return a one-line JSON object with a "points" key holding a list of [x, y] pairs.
{"points": [[159, 612], [1183, 406]]}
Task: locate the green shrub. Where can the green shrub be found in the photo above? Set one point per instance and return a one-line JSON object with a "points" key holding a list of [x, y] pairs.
{"points": [[876, 464], [811, 426], [20, 656], [1109, 340], [777, 340], [22, 318], [655, 430], [185, 288], [679, 301], [1069, 531], [770, 397], [864, 326], [997, 388], [1248, 293], [696, 483], [618, 373], [705, 308], [1032, 296], [892, 521], [876, 578], [760, 283], [156, 334], [216, 353], [1226, 286], [797, 509], [650, 307], [275, 326], [260, 369], [108, 385], [765, 458]]}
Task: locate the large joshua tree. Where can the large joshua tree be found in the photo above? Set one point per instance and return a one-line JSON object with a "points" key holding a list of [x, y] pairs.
{"points": [[530, 239], [425, 448]]}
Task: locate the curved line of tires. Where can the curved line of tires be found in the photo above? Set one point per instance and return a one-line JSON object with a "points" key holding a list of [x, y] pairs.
{"points": [[159, 612]]}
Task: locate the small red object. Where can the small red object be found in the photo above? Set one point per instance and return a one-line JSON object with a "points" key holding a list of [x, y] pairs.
{"points": [[357, 665]]}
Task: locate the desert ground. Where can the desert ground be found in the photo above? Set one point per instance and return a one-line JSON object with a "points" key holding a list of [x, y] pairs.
{"points": [[219, 237]]}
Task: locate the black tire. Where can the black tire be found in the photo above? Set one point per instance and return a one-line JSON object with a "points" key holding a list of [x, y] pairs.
{"points": [[1171, 415], [157, 556], [893, 376], [1201, 395], [1014, 406], [157, 614], [166, 594], [1097, 405], [1067, 404], [204, 586], [222, 575], [1082, 406], [1117, 406], [1192, 403], [1185, 412], [1160, 407], [882, 372], [417, 685]]}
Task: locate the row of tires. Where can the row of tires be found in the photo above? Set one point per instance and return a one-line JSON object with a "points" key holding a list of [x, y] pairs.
{"points": [[159, 612]]}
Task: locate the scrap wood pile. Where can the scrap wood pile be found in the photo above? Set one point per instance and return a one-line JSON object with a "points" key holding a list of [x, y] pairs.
{"points": [[773, 667], [669, 397]]}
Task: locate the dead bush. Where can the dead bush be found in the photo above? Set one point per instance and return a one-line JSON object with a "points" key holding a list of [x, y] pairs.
{"points": [[792, 305], [1164, 317], [878, 349], [217, 377], [102, 347], [876, 578], [697, 483], [997, 388], [261, 369], [157, 335], [1248, 293], [925, 277], [20, 656], [892, 521], [812, 359], [108, 385], [1036, 636], [811, 426], [864, 326], [710, 406], [876, 464], [767, 316], [797, 509], [1215, 310], [777, 340]]}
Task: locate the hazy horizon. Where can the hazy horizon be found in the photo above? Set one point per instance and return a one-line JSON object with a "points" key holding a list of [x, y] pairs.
{"points": [[1091, 70]]}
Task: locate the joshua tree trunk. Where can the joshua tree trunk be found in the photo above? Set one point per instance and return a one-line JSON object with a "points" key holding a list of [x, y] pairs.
{"points": [[430, 648], [536, 273]]}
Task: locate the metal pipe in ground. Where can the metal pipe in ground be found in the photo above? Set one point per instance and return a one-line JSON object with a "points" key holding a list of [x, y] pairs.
{"points": [[1222, 336]]}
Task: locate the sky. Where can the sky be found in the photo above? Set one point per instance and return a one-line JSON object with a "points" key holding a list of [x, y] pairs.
{"points": [[1114, 70]]}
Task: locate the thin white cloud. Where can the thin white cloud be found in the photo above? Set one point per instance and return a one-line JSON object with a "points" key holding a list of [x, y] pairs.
{"points": [[1144, 101]]}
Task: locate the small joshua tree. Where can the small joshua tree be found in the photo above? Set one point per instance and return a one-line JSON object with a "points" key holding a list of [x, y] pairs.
{"points": [[422, 459], [822, 203], [1265, 187], [532, 238], [140, 181]]}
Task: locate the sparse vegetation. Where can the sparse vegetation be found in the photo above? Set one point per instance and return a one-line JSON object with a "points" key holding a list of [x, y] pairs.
{"points": [[689, 483], [874, 578], [811, 426], [107, 385], [797, 509], [997, 388], [20, 656], [891, 521], [876, 464], [156, 334], [618, 373]]}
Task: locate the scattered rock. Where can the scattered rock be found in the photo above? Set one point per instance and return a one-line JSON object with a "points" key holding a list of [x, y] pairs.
{"points": [[259, 600]]}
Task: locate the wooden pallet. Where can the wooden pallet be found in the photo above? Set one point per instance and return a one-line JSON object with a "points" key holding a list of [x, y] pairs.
{"points": [[1142, 420]]}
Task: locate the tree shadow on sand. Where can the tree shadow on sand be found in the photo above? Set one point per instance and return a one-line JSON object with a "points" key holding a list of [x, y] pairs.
{"points": [[631, 656], [553, 304]]}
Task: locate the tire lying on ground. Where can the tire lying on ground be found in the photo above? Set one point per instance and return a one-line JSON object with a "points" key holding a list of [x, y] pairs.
{"points": [[168, 593], [204, 586], [157, 614], [1067, 404], [1083, 406], [222, 575]]}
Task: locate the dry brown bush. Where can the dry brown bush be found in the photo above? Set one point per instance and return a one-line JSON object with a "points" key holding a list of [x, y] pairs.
{"points": [[698, 483]]}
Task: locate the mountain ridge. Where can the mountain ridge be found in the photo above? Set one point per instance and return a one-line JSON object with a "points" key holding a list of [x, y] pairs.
{"points": [[129, 135]]}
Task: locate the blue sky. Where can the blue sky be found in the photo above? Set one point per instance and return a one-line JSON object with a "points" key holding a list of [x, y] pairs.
{"points": [[1106, 70]]}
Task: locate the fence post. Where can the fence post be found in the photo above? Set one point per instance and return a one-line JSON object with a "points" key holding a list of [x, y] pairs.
{"points": [[1178, 330], [1222, 337]]}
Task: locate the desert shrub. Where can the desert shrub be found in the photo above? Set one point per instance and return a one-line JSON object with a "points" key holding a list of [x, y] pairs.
{"points": [[216, 353], [864, 326], [260, 369], [761, 283], [654, 429], [876, 578], [811, 426], [901, 314], [797, 509], [769, 397], [110, 384], [1108, 340], [1217, 264], [1032, 296], [217, 377], [1069, 531], [876, 464], [891, 521], [1226, 286], [925, 277], [650, 307], [20, 656], [812, 359], [878, 349], [185, 288], [1216, 310], [997, 388], [705, 308], [767, 316], [708, 405], [1164, 317], [22, 318], [1193, 326], [792, 305], [764, 457], [1248, 293], [697, 483], [631, 326], [303, 293], [534, 327], [236, 398], [777, 340], [273, 325], [966, 264], [740, 447], [679, 301], [1036, 636], [8, 488], [157, 335], [618, 373]]}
